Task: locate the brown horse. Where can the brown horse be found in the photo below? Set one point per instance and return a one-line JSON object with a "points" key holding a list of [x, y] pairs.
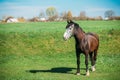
{"points": [[86, 43]]}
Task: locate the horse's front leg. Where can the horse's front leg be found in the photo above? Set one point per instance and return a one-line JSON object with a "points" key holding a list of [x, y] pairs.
{"points": [[78, 63], [86, 63]]}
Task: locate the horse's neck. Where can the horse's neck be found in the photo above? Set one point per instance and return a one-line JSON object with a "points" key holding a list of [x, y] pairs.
{"points": [[80, 34]]}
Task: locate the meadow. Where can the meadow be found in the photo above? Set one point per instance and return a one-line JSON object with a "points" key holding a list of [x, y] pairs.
{"points": [[37, 51]]}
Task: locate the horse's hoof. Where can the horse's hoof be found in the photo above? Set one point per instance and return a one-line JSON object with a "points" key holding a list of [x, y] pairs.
{"points": [[77, 73], [93, 68], [87, 73]]}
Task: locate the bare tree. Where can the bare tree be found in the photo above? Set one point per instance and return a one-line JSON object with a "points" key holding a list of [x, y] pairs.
{"points": [[98, 18], [42, 14], [63, 15], [109, 13], [82, 15]]}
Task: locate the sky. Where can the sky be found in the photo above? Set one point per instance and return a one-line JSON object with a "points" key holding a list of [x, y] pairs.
{"points": [[32, 8]]}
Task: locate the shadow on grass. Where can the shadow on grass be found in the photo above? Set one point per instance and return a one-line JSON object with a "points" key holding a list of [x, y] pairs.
{"points": [[56, 70]]}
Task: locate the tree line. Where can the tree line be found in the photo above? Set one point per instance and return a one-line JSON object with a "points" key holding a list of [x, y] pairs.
{"points": [[51, 14], [109, 15]]}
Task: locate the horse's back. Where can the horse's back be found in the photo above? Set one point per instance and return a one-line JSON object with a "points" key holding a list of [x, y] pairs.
{"points": [[94, 35], [93, 41]]}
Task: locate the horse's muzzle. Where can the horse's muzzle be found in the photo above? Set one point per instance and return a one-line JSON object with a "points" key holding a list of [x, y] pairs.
{"points": [[64, 39]]}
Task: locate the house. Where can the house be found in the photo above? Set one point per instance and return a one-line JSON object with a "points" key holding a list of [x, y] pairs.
{"points": [[43, 19], [11, 20]]}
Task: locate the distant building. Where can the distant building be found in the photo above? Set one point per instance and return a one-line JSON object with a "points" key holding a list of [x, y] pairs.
{"points": [[106, 18], [11, 20], [43, 19]]}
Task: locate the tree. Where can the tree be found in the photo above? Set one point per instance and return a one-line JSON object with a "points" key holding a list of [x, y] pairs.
{"points": [[109, 13], [21, 19], [34, 19], [63, 15], [98, 18], [51, 12], [42, 14], [82, 15], [69, 15]]}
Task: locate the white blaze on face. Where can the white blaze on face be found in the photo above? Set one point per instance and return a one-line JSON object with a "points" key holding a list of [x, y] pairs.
{"points": [[68, 33]]}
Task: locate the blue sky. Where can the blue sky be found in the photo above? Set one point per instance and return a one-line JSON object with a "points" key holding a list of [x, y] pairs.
{"points": [[32, 8]]}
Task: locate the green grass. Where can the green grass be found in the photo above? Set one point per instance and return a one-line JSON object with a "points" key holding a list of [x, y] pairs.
{"points": [[37, 51]]}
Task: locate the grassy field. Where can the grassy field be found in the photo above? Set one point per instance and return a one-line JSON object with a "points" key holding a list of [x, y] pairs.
{"points": [[37, 51]]}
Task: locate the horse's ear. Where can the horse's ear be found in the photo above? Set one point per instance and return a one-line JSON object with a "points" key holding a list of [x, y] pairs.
{"points": [[68, 21], [71, 21]]}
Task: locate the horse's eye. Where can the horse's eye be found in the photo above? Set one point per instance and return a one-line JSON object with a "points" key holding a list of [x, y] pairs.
{"points": [[70, 28]]}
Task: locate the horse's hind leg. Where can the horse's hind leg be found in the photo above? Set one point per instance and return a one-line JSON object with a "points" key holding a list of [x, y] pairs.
{"points": [[95, 56], [86, 63], [94, 60]]}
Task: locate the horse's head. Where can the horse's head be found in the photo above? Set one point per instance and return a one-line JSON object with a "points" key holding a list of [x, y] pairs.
{"points": [[69, 30]]}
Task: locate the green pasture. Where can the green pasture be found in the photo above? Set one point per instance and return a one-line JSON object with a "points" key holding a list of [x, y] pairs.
{"points": [[37, 51]]}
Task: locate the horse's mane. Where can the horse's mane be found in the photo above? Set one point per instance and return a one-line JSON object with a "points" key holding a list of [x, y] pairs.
{"points": [[78, 27]]}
